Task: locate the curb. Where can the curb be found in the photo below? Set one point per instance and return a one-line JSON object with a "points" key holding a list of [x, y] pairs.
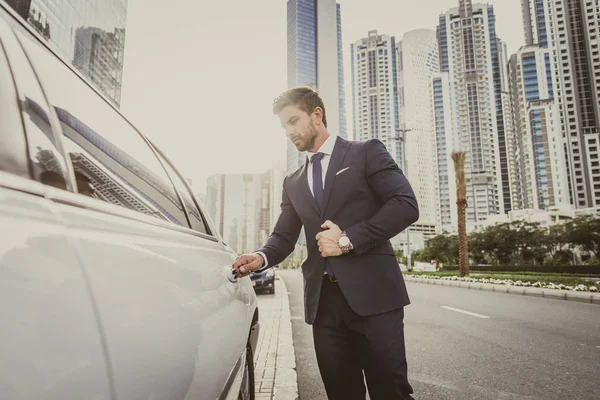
{"points": [[286, 380], [569, 295]]}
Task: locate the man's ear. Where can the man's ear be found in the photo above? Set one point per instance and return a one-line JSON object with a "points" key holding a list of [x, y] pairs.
{"points": [[318, 116]]}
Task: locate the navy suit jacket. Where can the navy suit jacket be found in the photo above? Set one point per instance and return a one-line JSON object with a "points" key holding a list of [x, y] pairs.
{"points": [[372, 201]]}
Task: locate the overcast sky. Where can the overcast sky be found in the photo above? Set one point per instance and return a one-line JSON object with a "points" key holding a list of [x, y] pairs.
{"points": [[200, 76]]}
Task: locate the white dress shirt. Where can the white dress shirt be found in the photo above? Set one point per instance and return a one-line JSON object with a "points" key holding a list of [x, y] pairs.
{"points": [[327, 149]]}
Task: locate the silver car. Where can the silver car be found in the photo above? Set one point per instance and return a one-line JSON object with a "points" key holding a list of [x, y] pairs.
{"points": [[113, 282]]}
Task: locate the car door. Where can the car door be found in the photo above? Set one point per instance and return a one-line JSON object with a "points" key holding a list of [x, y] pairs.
{"points": [[174, 323], [50, 345], [248, 302]]}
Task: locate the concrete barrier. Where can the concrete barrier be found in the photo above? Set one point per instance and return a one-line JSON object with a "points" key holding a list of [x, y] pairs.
{"points": [[583, 297], [555, 294], [534, 292], [516, 290]]}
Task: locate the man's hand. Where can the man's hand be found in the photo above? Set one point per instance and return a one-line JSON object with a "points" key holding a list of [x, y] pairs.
{"points": [[328, 240], [247, 263]]}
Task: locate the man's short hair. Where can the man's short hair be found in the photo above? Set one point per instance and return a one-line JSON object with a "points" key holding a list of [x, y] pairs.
{"points": [[303, 97]]}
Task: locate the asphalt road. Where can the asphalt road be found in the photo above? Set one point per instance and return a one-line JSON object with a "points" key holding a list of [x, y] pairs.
{"points": [[469, 344]]}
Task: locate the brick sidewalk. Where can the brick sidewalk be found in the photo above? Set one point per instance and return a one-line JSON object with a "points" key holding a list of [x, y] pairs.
{"points": [[275, 362]]}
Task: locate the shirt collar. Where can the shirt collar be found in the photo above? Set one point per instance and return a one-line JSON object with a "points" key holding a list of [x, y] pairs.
{"points": [[326, 148]]}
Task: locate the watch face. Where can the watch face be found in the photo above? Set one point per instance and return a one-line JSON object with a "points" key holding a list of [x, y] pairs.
{"points": [[344, 241]]}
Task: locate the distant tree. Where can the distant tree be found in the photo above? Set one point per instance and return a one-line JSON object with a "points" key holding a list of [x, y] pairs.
{"points": [[400, 256], [593, 261], [503, 240], [421, 255], [584, 231], [443, 248], [478, 247], [554, 241]]}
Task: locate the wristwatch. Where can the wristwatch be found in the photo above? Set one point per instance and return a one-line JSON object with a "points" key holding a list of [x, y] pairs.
{"points": [[344, 243]]}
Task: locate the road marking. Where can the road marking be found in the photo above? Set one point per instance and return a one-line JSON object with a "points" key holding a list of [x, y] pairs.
{"points": [[465, 312]]}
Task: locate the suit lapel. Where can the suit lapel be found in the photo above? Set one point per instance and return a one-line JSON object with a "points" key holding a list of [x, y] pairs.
{"points": [[337, 158], [305, 190]]}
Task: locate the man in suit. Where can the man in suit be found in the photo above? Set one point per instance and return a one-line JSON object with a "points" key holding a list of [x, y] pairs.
{"points": [[351, 198]]}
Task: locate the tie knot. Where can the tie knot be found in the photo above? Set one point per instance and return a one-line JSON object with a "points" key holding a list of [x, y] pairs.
{"points": [[317, 157]]}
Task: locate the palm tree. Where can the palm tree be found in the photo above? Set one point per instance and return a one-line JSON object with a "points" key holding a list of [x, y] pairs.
{"points": [[461, 202]]}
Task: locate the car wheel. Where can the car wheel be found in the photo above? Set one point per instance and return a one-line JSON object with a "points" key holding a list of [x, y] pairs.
{"points": [[247, 389]]}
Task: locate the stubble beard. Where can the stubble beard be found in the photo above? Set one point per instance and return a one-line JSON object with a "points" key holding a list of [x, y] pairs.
{"points": [[311, 139]]}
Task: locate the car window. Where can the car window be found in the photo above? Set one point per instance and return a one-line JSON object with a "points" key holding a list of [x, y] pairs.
{"points": [[111, 160], [13, 151], [105, 172], [194, 216], [47, 163]]}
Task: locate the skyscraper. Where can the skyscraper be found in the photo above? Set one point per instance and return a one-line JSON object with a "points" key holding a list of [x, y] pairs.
{"points": [[569, 29], [392, 93], [504, 119], [447, 217], [277, 176], [375, 91], [469, 54], [215, 201], [540, 182], [99, 56], [240, 207], [90, 34], [418, 62], [20, 6], [315, 58]]}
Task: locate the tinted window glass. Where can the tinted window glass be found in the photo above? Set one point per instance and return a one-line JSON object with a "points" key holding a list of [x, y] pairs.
{"points": [[105, 172], [13, 151], [47, 162], [111, 160], [192, 210]]}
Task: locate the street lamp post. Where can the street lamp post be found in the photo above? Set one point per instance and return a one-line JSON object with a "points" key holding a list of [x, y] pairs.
{"points": [[574, 257], [402, 138]]}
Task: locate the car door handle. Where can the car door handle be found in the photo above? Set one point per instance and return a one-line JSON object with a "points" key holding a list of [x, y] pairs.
{"points": [[229, 274]]}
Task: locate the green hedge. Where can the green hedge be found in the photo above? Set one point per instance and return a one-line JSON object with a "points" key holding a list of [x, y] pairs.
{"points": [[563, 269]]}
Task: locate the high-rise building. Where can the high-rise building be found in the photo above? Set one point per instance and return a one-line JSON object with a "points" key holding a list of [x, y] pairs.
{"points": [[570, 30], [393, 102], [504, 119], [232, 205], [418, 62], [540, 181], [21, 7], [375, 91], [469, 54], [99, 56], [90, 34], [447, 217], [277, 176], [240, 205], [315, 58], [215, 201], [510, 168]]}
